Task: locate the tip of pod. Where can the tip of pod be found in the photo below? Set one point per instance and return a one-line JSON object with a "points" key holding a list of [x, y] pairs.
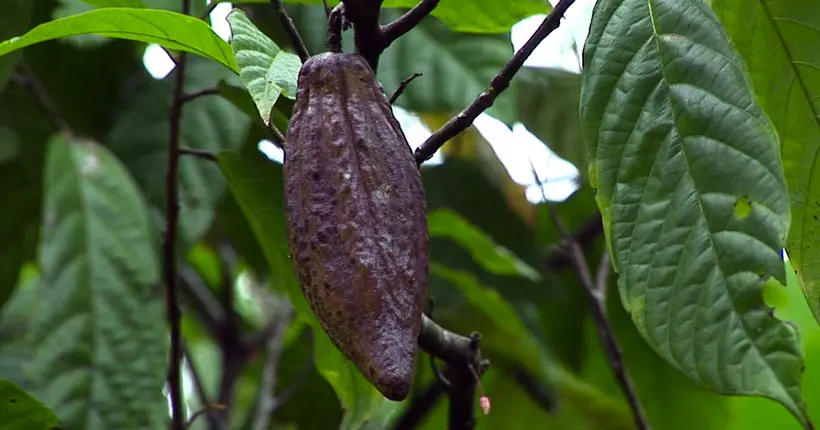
{"points": [[395, 387]]}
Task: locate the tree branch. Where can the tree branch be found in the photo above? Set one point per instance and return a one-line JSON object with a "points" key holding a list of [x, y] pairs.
{"points": [[597, 305], [206, 92], [199, 153], [290, 29], [401, 25], [364, 14], [498, 84], [266, 403], [464, 365], [402, 86], [169, 244]]}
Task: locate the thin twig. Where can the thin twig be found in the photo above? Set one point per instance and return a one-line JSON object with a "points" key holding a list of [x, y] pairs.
{"points": [[597, 304], [402, 86], [498, 84], [282, 314], [211, 6], [201, 153], [606, 333], [207, 408], [169, 245], [590, 230], [27, 80], [401, 25], [277, 135], [290, 29], [193, 96]]}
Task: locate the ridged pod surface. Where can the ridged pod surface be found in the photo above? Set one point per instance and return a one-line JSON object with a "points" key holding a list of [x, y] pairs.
{"points": [[357, 218]]}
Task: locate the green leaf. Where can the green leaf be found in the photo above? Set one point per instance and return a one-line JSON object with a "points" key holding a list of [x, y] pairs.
{"points": [[265, 69], [675, 139], [169, 29], [257, 185], [140, 139], [13, 21], [360, 400], [771, 36], [492, 257], [469, 16], [115, 3], [98, 338], [20, 411]]}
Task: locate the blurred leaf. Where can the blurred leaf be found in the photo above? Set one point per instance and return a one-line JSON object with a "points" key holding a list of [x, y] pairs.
{"points": [[548, 104], [20, 411], [453, 75], [774, 39], [14, 20], [99, 337], [14, 323], [495, 259], [104, 68], [22, 133], [257, 185], [474, 16], [169, 29], [507, 340], [360, 400], [140, 139], [675, 139], [265, 69]]}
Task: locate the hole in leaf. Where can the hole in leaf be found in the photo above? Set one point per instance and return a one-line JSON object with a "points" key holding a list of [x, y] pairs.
{"points": [[743, 207]]}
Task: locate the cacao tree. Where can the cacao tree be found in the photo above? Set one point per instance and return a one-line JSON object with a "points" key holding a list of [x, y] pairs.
{"points": [[258, 241]]}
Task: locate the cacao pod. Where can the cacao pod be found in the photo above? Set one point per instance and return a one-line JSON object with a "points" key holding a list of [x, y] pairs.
{"points": [[357, 218]]}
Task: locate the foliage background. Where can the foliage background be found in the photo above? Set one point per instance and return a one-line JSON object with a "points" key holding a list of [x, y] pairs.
{"points": [[489, 249]]}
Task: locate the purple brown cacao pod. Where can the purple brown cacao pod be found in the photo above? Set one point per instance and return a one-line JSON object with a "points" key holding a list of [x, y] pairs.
{"points": [[357, 218]]}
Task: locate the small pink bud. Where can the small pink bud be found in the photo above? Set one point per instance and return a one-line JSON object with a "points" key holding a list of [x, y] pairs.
{"points": [[484, 402]]}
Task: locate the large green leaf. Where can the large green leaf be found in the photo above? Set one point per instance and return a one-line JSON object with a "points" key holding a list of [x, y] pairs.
{"points": [[775, 39], [257, 185], [473, 16], [265, 70], [140, 139], [169, 29], [20, 411], [692, 193], [13, 21], [98, 337]]}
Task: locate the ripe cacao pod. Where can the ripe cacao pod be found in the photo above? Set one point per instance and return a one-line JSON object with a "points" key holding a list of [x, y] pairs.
{"points": [[357, 218]]}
